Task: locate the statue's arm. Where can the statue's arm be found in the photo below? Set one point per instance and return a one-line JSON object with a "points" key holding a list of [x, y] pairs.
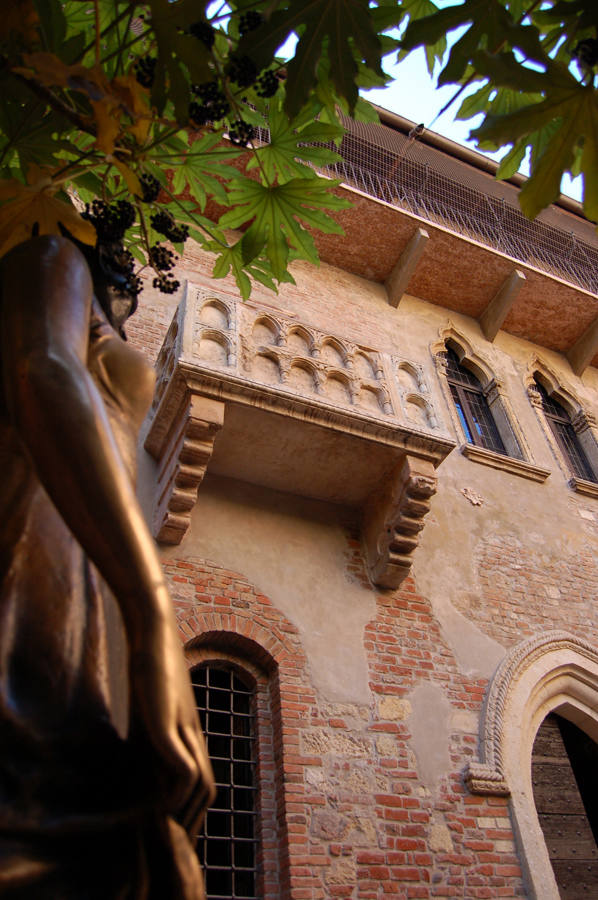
{"points": [[59, 414]]}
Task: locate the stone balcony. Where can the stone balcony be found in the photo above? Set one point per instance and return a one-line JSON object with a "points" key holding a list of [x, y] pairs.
{"points": [[256, 396]]}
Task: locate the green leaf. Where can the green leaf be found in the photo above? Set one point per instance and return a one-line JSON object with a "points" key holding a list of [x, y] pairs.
{"points": [[544, 184], [274, 211], [510, 163], [290, 142], [52, 24], [342, 30]]}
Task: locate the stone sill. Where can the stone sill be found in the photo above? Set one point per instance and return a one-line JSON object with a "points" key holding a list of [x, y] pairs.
{"points": [[589, 488], [507, 463]]}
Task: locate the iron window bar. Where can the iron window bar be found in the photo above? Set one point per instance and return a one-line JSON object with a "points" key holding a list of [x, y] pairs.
{"points": [[227, 847], [565, 436], [472, 407]]}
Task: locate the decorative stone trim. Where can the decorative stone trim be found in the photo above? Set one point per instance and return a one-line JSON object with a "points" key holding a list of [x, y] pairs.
{"points": [[506, 463], [589, 488], [552, 672], [393, 520], [183, 453]]}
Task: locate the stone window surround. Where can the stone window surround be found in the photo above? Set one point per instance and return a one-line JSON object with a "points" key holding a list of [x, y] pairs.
{"points": [[213, 648], [584, 424], [554, 672], [517, 461]]}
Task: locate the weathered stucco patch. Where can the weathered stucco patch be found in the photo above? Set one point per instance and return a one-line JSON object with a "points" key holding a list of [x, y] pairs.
{"points": [[429, 725]]}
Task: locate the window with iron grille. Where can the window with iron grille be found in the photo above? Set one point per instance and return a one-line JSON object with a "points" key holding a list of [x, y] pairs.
{"points": [[228, 845], [565, 436], [471, 405]]}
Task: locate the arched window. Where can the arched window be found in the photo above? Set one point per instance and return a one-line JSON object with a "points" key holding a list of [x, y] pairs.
{"points": [[565, 436], [228, 845], [471, 405]]}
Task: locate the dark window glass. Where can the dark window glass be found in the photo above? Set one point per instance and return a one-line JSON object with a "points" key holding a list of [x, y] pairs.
{"points": [[564, 434], [471, 405], [227, 847]]}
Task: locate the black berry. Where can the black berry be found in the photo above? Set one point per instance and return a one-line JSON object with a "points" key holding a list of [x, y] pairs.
{"points": [[145, 70], [242, 70], [165, 284], [161, 258], [203, 32], [586, 52], [110, 221], [241, 132], [267, 84], [150, 188], [163, 222], [249, 21]]}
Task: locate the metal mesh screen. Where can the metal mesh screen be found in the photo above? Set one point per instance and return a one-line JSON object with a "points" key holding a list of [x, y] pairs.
{"points": [[403, 178], [227, 847]]}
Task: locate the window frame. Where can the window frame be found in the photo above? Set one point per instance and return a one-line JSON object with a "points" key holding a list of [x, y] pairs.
{"points": [[582, 426]]}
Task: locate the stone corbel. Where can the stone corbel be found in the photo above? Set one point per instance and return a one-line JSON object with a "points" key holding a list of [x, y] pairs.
{"points": [[393, 519], [183, 454]]}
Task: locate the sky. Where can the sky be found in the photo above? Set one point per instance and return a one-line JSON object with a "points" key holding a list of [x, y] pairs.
{"points": [[413, 94]]}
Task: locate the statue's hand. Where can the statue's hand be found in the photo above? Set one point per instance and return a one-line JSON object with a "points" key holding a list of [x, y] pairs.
{"points": [[164, 709]]}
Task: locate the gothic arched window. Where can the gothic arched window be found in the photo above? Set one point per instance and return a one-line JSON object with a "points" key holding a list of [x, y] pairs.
{"points": [[565, 436], [471, 405], [228, 845]]}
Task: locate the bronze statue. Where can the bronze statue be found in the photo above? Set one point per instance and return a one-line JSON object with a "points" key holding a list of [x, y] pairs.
{"points": [[103, 771]]}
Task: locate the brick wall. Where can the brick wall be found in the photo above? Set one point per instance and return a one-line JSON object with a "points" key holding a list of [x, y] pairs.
{"points": [[353, 817]]}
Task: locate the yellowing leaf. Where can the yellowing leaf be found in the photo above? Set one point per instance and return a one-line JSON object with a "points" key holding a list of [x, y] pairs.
{"points": [[134, 99], [131, 179], [107, 117], [51, 71], [33, 205]]}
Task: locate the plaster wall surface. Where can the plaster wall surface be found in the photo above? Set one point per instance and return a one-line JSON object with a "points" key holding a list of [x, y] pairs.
{"points": [[390, 684]]}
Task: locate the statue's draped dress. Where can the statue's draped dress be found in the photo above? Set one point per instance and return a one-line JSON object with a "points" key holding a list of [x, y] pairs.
{"points": [[77, 797]]}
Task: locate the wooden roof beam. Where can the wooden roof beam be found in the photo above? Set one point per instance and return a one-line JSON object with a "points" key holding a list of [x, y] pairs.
{"points": [[398, 280], [496, 312]]}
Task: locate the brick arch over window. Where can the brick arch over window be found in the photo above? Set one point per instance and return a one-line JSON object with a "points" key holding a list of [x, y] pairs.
{"points": [[553, 673], [226, 653], [222, 616]]}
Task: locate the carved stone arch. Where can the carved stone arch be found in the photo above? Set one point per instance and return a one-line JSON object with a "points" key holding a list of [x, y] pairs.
{"points": [[263, 326], [295, 332], [215, 313], [468, 357], [209, 340], [553, 385], [554, 672]]}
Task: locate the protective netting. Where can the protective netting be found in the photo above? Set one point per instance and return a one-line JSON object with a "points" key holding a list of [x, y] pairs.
{"points": [[392, 167]]}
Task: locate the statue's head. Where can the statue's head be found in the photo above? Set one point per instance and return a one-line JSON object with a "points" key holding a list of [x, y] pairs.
{"points": [[115, 286]]}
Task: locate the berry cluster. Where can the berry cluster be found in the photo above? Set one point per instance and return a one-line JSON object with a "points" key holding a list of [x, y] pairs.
{"points": [[165, 284], [211, 106], [163, 222], [145, 70], [150, 188], [110, 221], [241, 132], [249, 21], [242, 70], [203, 32], [162, 258], [267, 84]]}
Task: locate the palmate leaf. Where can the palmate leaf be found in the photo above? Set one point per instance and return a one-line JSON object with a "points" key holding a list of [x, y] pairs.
{"points": [[490, 24], [204, 171], [342, 30], [292, 141], [276, 211], [576, 107], [230, 259]]}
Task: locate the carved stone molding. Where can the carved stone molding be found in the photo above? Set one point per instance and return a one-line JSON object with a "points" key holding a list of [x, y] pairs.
{"points": [[506, 463], [488, 776], [394, 518], [183, 453]]}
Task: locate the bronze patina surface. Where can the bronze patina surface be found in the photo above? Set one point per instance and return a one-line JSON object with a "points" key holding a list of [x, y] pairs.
{"points": [[103, 770]]}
